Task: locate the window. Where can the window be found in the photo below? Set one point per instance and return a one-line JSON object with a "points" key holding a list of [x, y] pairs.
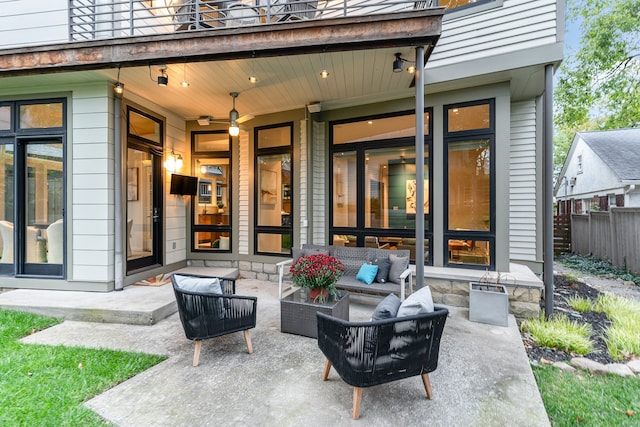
{"points": [[273, 196], [373, 184], [32, 182], [470, 174], [579, 163], [459, 4], [212, 203]]}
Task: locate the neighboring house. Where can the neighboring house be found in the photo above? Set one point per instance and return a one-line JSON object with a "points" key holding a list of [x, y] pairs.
{"points": [[601, 170], [322, 146]]}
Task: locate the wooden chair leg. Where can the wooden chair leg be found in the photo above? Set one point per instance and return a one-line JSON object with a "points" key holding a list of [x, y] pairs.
{"points": [[325, 371], [427, 385], [196, 353], [357, 398], [247, 339]]}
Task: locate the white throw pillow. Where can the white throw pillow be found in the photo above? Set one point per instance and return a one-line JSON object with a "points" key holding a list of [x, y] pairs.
{"points": [[418, 302], [208, 285]]}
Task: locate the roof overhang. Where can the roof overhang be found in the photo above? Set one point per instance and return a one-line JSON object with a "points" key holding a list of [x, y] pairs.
{"points": [[416, 28]]}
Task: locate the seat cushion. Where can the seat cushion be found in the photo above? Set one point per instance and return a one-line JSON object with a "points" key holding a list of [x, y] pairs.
{"points": [[367, 273], [398, 266], [418, 302], [387, 308]]}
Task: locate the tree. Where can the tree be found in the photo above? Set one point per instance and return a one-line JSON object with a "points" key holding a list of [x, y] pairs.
{"points": [[603, 78]]}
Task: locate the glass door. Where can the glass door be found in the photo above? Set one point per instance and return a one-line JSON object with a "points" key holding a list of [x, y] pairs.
{"points": [[144, 201]]}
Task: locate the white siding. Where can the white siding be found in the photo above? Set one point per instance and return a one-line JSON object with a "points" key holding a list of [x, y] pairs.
{"points": [[304, 189], [318, 182], [512, 27], [522, 179], [31, 22], [92, 219], [243, 210]]}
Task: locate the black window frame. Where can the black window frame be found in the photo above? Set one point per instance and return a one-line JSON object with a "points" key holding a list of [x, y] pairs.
{"points": [[212, 228], [456, 136], [259, 152], [360, 148]]}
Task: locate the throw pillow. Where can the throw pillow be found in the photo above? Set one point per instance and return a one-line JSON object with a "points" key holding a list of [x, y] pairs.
{"points": [[383, 269], [296, 253], [367, 273], [418, 302], [205, 285], [387, 309], [398, 266]]}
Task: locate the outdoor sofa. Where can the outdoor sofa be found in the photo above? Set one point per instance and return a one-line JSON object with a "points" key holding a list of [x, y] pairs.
{"points": [[390, 277]]}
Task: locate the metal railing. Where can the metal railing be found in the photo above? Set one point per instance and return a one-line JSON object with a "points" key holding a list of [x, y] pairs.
{"points": [[96, 19]]}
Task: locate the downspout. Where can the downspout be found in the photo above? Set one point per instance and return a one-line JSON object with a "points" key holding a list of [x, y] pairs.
{"points": [[117, 183], [547, 192], [419, 167]]}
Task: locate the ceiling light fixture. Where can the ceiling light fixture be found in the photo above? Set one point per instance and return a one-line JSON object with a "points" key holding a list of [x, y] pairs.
{"points": [[324, 73], [163, 78], [234, 129], [253, 78], [184, 83], [118, 88]]}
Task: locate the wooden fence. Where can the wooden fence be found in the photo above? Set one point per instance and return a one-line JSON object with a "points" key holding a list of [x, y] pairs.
{"points": [[561, 233], [613, 236]]}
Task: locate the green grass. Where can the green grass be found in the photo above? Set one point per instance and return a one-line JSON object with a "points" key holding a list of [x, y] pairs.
{"points": [[573, 399], [45, 385], [579, 304], [623, 336], [560, 333]]}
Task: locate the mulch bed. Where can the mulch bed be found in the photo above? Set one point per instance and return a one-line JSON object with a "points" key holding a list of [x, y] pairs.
{"points": [[564, 288]]}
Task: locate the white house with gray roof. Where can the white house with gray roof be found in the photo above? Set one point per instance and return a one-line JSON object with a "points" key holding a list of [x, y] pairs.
{"points": [[602, 169]]}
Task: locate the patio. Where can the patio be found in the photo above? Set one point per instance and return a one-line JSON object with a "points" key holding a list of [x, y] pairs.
{"points": [[483, 378]]}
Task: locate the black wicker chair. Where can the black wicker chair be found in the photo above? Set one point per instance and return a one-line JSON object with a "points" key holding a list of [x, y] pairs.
{"points": [[370, 353], [207, 315]]}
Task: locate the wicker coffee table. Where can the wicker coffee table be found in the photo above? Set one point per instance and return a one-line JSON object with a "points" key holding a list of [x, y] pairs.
{"points": [[298, 313]]}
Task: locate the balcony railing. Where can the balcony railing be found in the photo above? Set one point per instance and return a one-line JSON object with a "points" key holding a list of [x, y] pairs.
{"points": [[96, 19]]}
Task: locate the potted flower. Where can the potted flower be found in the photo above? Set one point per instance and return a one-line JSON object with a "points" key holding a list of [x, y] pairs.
{"points": [[319, 273], [220, 207]]}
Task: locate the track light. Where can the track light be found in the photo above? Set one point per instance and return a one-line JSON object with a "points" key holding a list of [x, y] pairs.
{"points": [[397, 64], [234, 129], [163, 78]]}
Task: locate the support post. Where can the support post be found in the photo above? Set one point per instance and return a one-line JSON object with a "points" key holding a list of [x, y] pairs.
{"points": [[419, 79], [547, 192]]}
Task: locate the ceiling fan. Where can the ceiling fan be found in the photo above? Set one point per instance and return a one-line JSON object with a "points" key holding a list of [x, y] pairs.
{"points": [[234, 118]]}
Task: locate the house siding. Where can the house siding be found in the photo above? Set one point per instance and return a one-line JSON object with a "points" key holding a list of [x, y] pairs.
{"points": [[319, 182], [29, 22], [513, 27], [243, 196], [522, 179]]}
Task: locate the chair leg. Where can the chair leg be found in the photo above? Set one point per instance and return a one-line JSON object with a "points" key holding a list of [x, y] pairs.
{"points": [[427, 386], [357, 398], [325, 371], [247, 339], [196, 353]]}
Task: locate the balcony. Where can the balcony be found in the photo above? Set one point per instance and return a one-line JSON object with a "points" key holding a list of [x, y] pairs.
{"points": [[92, 20]]}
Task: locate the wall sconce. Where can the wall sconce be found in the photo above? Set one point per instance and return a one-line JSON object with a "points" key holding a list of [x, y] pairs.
{"points": [[397, 64], [173, 163], [118, 88], [234, 129]]}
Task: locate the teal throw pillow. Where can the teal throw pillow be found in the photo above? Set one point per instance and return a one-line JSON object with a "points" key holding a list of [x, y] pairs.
{"points": [[367, 273]]}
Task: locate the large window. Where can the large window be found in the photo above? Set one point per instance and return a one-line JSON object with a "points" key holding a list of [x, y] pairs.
{"points": [[373, 185], [32, 182], [212, 204], [273, 189], [470, 187]]}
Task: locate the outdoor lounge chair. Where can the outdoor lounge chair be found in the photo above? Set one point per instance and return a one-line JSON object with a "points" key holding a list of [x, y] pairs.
{"points": [[370, 353], [209, 308]]}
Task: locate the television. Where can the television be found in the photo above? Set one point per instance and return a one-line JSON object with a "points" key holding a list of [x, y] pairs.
{"points": [[183, 185]]}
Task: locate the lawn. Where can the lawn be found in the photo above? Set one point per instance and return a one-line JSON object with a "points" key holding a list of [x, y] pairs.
{"points": [[578, 398], [46, 385]]}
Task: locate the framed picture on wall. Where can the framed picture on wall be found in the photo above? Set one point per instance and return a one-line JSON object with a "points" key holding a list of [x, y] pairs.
{"points": [[411, 197], [268, 187], [132, 184]]}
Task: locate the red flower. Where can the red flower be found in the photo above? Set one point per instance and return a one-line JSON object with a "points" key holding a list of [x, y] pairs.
{"points": [[317, 271]]}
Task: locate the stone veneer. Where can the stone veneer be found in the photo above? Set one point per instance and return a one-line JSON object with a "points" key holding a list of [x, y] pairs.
{"points": [[449, 286]]}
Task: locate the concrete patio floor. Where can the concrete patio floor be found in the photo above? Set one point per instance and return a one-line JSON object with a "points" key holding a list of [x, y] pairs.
{"points": [[483, 378]]}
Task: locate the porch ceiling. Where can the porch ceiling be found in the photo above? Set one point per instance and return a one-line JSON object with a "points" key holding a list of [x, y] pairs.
{"points": [[286, 59]]}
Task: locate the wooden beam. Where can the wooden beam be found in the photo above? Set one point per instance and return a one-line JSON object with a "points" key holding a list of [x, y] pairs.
{"points": [[419, 27]]}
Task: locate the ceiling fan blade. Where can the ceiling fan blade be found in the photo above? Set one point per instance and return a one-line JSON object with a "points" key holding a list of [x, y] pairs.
{"points": [[245, 118]]}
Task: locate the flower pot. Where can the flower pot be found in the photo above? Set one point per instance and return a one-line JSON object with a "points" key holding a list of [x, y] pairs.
{"points": [[318, 294], [488, 303]]}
